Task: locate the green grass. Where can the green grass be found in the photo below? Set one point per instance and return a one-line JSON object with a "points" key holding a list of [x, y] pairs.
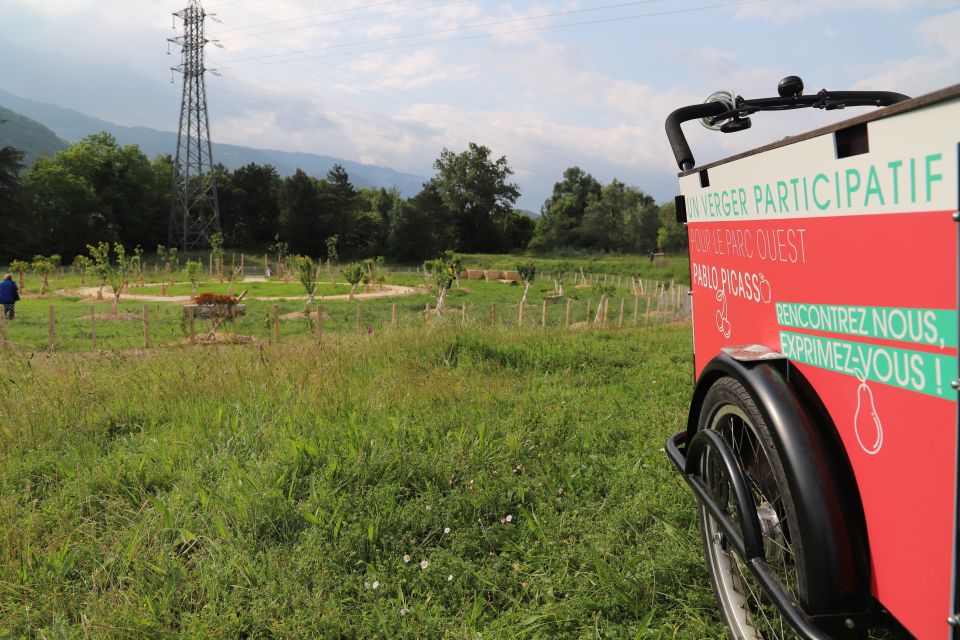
{"points": [[486, 302], [253, 289], [262, 492]]}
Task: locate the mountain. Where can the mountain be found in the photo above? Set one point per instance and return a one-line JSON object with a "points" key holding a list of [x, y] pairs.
{"points": [[72, 126], [29, 136]]}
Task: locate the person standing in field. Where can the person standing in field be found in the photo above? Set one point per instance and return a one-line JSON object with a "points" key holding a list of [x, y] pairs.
{"points": [[8, 295]]}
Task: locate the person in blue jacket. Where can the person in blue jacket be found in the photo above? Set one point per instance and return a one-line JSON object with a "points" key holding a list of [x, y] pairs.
{"points": [[8, 295]]}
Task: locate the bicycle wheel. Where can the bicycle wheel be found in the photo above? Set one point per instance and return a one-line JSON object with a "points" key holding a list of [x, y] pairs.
{"points": [[729, 410]]}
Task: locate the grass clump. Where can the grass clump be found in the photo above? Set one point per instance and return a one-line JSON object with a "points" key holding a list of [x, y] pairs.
{"points": [[428, 483]]}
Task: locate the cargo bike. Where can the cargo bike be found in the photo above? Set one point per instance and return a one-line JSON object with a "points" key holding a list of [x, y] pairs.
{"points": [[822, 438]]}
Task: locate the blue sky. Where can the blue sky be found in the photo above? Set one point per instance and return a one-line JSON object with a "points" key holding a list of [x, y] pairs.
{"points": [[547, 84]]}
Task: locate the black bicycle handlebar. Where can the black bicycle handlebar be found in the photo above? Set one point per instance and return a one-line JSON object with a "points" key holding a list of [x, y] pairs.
{"points": [[719, 111]]}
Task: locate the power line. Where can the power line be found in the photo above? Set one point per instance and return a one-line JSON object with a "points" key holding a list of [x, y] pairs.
{"points": [[539, 148], [481, 25], [341, 20], [412, 130], [504, 33]]}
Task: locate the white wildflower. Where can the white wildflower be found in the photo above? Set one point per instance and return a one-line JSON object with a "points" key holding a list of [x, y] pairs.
{"points": [[424, 564]]}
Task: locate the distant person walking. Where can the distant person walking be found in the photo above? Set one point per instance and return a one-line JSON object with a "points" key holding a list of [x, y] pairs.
{"points": [[8, 295]]}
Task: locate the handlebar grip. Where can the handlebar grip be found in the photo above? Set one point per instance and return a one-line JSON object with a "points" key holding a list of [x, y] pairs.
{"points": [[678, 142]]}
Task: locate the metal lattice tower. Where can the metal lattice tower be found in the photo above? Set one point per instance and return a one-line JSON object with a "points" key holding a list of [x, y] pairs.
{"points": [[194, 211]]}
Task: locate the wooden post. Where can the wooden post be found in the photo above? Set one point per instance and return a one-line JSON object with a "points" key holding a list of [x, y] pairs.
{"points": [[359, 312], [193, 333], [319, 321], [543, 315], [520, 314], [589, 304], [646, 316], [146, 328], [623, 301], [636, 306], [566, 319], [53, 333], [276, 323], [393, 313]]}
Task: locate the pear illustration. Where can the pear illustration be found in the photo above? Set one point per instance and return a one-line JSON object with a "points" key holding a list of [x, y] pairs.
{"points": [[722, 319], [866, 422], [765, 294]]}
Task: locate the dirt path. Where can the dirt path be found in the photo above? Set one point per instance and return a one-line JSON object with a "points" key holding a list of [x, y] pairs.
{"points": [[387, 291]]}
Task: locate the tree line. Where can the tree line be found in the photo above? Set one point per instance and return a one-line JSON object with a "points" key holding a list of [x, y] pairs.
{"points": [[98, 191]]}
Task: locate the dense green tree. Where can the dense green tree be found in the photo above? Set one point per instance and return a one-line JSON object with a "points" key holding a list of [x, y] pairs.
{"points": [[672, 236], [373, 221], [299, 212], [561, 216], [16, 235], [422, 227], [518, 229], [338, 213], [475, 189], [62, 211], [130, 202], [623, 218]]}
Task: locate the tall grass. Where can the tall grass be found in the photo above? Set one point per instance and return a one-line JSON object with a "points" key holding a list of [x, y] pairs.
{"points": [[417, 483]]}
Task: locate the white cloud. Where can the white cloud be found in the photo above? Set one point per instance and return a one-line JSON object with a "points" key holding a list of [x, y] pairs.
{"points": [[786, 11], [938, 67]]}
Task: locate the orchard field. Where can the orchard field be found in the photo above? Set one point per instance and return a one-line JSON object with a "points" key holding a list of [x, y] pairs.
{"points": [[426, 479]]}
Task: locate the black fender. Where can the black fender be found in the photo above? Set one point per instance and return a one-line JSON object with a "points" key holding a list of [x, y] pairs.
{"points": [[819, 476]]}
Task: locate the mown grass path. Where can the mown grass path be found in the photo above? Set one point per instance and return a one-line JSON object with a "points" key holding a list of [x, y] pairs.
{"points": [[417, 483]]}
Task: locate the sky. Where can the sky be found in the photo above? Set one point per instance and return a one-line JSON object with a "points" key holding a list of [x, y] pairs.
{"points": [[548, 85]]}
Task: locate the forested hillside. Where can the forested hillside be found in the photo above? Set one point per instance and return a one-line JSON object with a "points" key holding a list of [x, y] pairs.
{"points": [[29, 136]]}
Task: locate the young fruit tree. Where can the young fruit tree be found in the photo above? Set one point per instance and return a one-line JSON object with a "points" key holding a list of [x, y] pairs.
{"points": [[193, 270], [42, 266], [527, 271], [307, 274], [440, 272], [119, 273], [562, 269], [136, 264], [353, 273], [168, 258], [81, 263], [605, 291], [216, 253], [20, 266], [55, 260], [100, 264], [231, 274], [114, 270], [455, 263]]}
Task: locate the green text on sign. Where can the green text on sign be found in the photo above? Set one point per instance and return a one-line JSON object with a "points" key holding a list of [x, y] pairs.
{"points": [[927, 373], [937, 327]]}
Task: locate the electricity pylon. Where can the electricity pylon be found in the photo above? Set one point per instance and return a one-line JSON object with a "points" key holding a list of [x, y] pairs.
{"points": [[194, 211]]}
